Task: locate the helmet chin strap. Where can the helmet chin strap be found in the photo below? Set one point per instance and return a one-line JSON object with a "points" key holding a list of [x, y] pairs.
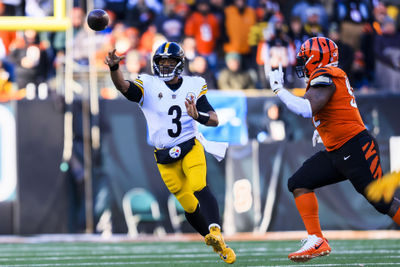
{"points": [[166, 79]]}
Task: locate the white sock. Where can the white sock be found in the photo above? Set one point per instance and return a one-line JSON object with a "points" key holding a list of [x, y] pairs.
{"points": [[214, 224]]}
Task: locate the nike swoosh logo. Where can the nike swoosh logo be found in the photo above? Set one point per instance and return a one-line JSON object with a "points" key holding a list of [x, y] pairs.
{"points": [[345, 158], [318, 246]]}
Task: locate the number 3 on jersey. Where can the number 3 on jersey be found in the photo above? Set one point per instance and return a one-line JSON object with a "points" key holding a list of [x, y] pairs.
{"points": [[176, 113]]}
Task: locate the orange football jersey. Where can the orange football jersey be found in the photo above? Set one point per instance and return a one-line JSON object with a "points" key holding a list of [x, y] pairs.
{"points": [[339, 120]]}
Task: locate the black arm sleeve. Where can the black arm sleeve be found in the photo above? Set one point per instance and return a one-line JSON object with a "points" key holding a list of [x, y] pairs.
{"points": [[202, 105], [134, 93]]}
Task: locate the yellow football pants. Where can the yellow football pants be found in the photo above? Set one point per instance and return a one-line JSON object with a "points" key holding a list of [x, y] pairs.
{"points": [[186, 176]]}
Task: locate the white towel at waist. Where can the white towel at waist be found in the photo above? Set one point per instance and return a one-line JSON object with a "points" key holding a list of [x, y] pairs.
{"points": [[217, 149]]}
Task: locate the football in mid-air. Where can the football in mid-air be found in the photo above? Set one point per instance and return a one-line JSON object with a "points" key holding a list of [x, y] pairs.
{"points": [[98, 19]]}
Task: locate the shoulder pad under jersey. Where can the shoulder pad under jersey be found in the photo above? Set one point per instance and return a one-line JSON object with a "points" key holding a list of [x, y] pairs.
{"points": [[322, 80]]}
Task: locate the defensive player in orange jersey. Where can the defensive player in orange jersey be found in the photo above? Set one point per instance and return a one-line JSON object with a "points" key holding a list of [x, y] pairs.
{"points": [[351, 152]]}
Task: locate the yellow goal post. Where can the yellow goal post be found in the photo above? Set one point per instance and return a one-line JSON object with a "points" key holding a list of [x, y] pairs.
{"points": [[57, 22]]}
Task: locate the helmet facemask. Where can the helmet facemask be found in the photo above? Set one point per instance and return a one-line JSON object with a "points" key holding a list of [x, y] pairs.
{"points": [[168, 70], [300, 66]]}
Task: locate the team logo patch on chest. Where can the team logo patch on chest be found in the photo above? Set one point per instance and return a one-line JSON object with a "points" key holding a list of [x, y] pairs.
{"points": [[175, 152]]}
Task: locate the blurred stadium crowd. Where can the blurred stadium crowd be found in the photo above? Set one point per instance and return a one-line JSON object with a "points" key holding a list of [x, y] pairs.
{"points": [[231, 43]]}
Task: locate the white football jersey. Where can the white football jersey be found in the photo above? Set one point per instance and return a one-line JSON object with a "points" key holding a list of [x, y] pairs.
{"points": [[168, 122]]}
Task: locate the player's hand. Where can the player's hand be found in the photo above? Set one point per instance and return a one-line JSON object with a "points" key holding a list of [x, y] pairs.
{"points": [[191, 107], [316, 138], [383, 187], [112, 59], [276, 79]]}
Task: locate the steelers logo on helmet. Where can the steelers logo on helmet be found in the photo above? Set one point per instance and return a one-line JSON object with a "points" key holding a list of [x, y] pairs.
{"points": [[314, 53], [168, 61], [175, 152]]}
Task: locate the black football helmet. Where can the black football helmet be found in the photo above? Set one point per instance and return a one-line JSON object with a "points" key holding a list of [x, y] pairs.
{"points": [[168, 50]]}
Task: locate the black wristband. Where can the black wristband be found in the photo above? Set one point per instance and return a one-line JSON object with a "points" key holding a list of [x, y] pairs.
{"points": [[115, 67], [203, 118]]}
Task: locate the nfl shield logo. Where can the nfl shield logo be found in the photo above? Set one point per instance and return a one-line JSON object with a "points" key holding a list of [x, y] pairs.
{"points": [[175, 152]]}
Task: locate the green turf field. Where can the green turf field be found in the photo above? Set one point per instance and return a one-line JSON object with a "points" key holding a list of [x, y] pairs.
{"points": [[192, 254]]}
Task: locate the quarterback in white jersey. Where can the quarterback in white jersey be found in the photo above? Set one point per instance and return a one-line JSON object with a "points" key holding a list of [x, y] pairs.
{"points": [[165, 109], [172, 104]]}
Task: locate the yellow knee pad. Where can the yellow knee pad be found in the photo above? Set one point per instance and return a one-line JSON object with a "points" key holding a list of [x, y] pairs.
{"points": [[188, 201], [173, 184]]}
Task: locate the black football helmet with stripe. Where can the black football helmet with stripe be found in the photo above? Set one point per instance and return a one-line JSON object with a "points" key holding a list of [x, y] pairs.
{"points": [[168, 50]]}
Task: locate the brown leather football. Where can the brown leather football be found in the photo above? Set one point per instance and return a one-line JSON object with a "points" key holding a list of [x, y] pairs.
{"points": [[97, 19]]}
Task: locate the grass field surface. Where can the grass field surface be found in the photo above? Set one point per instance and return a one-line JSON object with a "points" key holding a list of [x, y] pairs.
{"points": [[193, 254]]}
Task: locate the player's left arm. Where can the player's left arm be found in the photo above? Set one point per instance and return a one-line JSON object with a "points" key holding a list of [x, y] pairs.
{"points": [[201, 111]]}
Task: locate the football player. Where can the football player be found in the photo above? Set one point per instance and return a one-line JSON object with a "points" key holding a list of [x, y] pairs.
{"points": [[172, 105], [351, 152]]}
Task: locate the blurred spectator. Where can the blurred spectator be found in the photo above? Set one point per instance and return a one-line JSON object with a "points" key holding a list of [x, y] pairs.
{"points": [[274, 50], [217, 8], [204, 27], [264, 12], [30, 59], [346, 52], [356, 11], [135, 64], [370, 31], [118, 7], [12, 8], [266, 9], [312, 27], [351, 16], [127, 41], [147, 39], [189, 46], [122, 39], [6, 37], [80, 48], [154, 5], [182, 9], [170, 24], [5, 81], [297, 33], [199, 67], [238, 20], [111, 23], [41, 8], [273, 123], [77, 20], [306, 8], [234, 77], [357, 75], [139, 16], [387, 55]]}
